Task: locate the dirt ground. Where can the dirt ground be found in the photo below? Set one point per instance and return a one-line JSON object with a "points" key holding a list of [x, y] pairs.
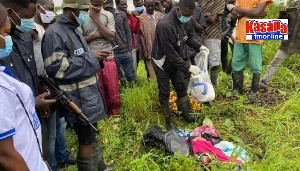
{"points": [[268, 99]]}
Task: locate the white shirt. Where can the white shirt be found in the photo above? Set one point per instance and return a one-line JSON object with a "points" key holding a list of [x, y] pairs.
{"points": [[15, 123], [37, 49]]}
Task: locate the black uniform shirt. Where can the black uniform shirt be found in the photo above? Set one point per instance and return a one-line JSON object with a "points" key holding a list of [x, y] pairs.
{"points": [[171, 36]]}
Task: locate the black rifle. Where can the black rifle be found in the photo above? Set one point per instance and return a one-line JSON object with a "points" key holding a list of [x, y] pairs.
{"points": [[63, 98]]}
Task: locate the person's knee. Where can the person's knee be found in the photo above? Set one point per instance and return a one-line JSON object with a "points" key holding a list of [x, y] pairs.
{"points": [[86, 134]]}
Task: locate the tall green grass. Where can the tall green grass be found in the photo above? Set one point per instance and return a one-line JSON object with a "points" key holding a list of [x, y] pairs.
{"points": [[270, 135]]}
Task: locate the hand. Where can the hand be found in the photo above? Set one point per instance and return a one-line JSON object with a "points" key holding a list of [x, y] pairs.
{"points": [[135, 14], [194, 69], [96, 9], [207, 14], [212, 18], [101, 54], [236, 15], [283, 11], [97, 35], [139, 19], [46, 112], [41, 101], [264, 14], [95, 16], [129, 12], [203, 48], [230, 7], [237, 9]]}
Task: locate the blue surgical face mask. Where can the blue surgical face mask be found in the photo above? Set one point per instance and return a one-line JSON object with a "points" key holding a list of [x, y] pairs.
{"points": [[83, 17], [139, 9], [183, 19], [26, 24], [8, 46]]}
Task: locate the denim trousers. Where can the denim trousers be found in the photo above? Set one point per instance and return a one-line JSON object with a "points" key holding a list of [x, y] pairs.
{"points": [[125, 61], [136, 59], [56, 139]]}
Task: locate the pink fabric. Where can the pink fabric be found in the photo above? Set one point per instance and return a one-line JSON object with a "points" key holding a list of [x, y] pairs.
{"points": [[206, 129], [109, 84], [201, 146]]}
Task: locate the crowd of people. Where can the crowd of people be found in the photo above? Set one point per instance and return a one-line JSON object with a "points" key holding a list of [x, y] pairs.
{"points": [[94, 46]]}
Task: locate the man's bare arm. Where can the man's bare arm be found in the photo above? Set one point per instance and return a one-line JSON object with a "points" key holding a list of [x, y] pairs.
{"points": [[105, 32], [10, 159], [256, 12], [197, 26]]}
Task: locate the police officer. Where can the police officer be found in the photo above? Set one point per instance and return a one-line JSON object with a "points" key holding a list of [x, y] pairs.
{"points": [[173, 31], [73, 67]]}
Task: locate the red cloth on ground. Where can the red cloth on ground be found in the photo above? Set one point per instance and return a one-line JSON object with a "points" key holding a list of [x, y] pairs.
{"points": [[201, 146], [109, 85]]}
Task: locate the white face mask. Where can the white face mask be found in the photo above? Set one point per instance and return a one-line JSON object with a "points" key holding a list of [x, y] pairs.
{"points": [[48, 17]]}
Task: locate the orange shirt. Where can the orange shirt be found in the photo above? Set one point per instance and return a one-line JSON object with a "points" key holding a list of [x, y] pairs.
{"points": [[241, 26]]}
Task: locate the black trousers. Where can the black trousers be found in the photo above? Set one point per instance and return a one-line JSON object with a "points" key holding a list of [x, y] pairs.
{"points": [[177, 78], [224, 52]]}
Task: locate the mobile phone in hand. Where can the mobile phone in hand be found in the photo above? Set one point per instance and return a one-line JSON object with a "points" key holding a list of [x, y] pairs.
{"points": [[114, 48]]}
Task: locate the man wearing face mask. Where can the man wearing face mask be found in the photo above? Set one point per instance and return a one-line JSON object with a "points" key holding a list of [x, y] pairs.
{"points": [[73, 67], [20, 130], [21, 59], [135, 23], [173, 31], [167, 5], [55, 143]]}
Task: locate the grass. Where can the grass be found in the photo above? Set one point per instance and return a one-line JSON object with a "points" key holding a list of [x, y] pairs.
{"points": [[270, 135]]}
